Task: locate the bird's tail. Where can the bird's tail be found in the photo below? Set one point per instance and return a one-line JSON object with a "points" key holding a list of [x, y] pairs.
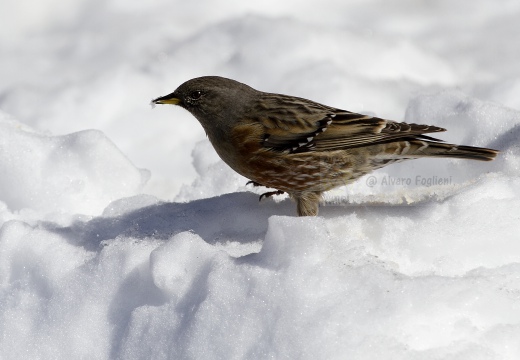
{"points": [[421, 148]]}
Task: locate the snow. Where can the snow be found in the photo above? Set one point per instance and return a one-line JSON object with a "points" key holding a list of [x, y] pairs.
{"points": [[124, 236], [65, 173]]}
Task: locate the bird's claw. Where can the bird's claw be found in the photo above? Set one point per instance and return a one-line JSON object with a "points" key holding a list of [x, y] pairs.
{"points": [[254, 183], [266, 194], [270, 193]]}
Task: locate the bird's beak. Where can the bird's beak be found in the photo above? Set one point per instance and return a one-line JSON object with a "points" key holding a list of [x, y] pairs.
{"points": [[167, 99]]}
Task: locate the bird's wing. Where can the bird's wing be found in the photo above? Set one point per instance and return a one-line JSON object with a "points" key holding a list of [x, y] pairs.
{"points": [[299, 125]]}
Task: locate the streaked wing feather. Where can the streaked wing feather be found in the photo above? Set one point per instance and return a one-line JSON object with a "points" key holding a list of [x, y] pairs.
{"points": [[299, 125]]}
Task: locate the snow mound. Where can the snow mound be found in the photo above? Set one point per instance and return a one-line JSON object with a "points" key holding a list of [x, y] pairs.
{"points": [[75, 173]]}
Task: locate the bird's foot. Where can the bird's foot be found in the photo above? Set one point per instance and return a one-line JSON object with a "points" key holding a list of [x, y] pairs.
{"points": [[270, 193], [254, 183], [266, 194]]}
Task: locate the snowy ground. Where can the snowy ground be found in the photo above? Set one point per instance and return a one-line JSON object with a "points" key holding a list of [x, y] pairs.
{"points": [[123, 236]]}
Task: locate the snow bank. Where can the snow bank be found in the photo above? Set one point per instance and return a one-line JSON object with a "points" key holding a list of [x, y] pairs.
{"points": [[76, 173], [222, 277], [96, 262]]}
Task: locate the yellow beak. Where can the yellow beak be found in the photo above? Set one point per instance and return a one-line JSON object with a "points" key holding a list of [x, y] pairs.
{"points": [[168, 99]]}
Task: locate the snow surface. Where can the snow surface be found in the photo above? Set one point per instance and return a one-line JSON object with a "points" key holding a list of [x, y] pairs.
{"points": [[102, 259]]}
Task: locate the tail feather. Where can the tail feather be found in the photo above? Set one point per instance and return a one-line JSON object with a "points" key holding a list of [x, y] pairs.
{"points": [[421, 148]]}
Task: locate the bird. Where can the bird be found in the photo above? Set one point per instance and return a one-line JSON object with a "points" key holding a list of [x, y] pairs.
{"points": [[299, 146]]}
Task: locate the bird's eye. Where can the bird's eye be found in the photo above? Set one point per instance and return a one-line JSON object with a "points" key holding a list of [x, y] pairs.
{"points": [[195, 95]]}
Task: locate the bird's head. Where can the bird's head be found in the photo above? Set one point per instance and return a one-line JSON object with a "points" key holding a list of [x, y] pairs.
{"points": [[213, 100]]}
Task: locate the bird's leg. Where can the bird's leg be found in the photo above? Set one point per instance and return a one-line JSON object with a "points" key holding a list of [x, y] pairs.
{"points": [[308, 203], [270, 193]]}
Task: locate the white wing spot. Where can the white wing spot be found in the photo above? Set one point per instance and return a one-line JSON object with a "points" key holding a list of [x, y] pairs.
{"points": [[406, 148], [425, 145]]}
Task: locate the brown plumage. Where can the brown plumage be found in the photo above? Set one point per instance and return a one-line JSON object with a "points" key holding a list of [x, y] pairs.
{"points": [[299, 146]]}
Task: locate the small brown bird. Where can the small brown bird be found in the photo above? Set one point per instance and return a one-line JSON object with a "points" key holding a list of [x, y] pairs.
{"points": [[299, 146]]}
